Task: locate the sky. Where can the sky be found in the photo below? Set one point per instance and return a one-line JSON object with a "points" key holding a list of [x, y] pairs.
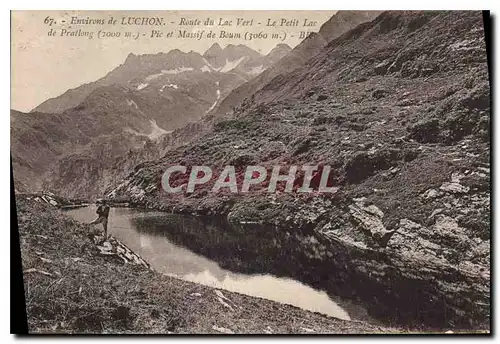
{"points": [[45, 66]]}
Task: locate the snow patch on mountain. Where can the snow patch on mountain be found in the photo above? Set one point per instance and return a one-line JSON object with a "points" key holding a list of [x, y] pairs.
{"points": [[168, 71], [206, 69], [256, 70], [209, 65], [141, 86], [156, 131], [154, 76], [217, 100], [169, 85], [230, 65], [177, 70], [132, 103]]}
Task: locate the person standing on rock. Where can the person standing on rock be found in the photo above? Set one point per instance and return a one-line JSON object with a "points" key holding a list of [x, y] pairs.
{"points": [[102, 216]]}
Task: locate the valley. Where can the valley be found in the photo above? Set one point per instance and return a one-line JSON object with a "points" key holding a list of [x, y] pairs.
{"points": [[135, 107]]}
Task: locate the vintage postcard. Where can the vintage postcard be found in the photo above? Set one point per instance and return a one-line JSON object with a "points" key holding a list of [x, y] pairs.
{"points": [[242, 172]]}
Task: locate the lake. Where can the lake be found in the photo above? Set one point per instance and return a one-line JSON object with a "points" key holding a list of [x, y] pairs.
{"points": [[251, 259]]}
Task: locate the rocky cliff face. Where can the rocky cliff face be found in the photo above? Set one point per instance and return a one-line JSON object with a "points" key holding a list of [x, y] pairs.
{"points": [[399, 107]]}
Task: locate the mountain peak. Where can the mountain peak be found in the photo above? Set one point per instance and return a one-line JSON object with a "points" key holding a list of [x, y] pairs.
{"points": [[131, 57], [280, 47], [215, 49], [343, 21], [175, 52], [278, 52]]}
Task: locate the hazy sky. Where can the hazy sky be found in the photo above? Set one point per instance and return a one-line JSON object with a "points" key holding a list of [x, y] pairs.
{"points": [[46, 66]]}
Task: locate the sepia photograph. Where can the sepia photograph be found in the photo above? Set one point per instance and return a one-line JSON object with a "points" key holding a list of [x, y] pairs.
{"points": [[250, 172]]}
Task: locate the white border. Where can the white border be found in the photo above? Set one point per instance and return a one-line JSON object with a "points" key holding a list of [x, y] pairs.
{"points": [[191, 5]]}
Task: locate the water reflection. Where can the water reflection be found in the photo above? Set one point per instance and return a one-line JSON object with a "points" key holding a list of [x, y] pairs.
{"points": [[251, 259]]}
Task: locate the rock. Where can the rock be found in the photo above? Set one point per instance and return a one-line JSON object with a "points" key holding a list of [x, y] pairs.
{"points": [[222, 299], [381, 68], [222, 329], [409, 225], [45, 260], [107, 246], [430, 194], [39, 271], [363, 164], [382, 239], [454, 188], [268, 330], [308, 330], [370, 219], [456, 177], [377, 94], [445, 223], [372, 209], [103, 251], [435, 212], [425, 131], [477, 181]]}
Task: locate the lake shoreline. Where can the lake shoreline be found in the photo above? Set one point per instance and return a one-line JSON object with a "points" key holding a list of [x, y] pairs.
{"points": [[113, 297], [445, 295], [252, 259]]}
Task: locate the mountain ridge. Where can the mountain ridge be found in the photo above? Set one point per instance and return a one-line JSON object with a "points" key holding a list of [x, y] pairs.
{"points": [[339, 23], [144, 98], [121, 74]]}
